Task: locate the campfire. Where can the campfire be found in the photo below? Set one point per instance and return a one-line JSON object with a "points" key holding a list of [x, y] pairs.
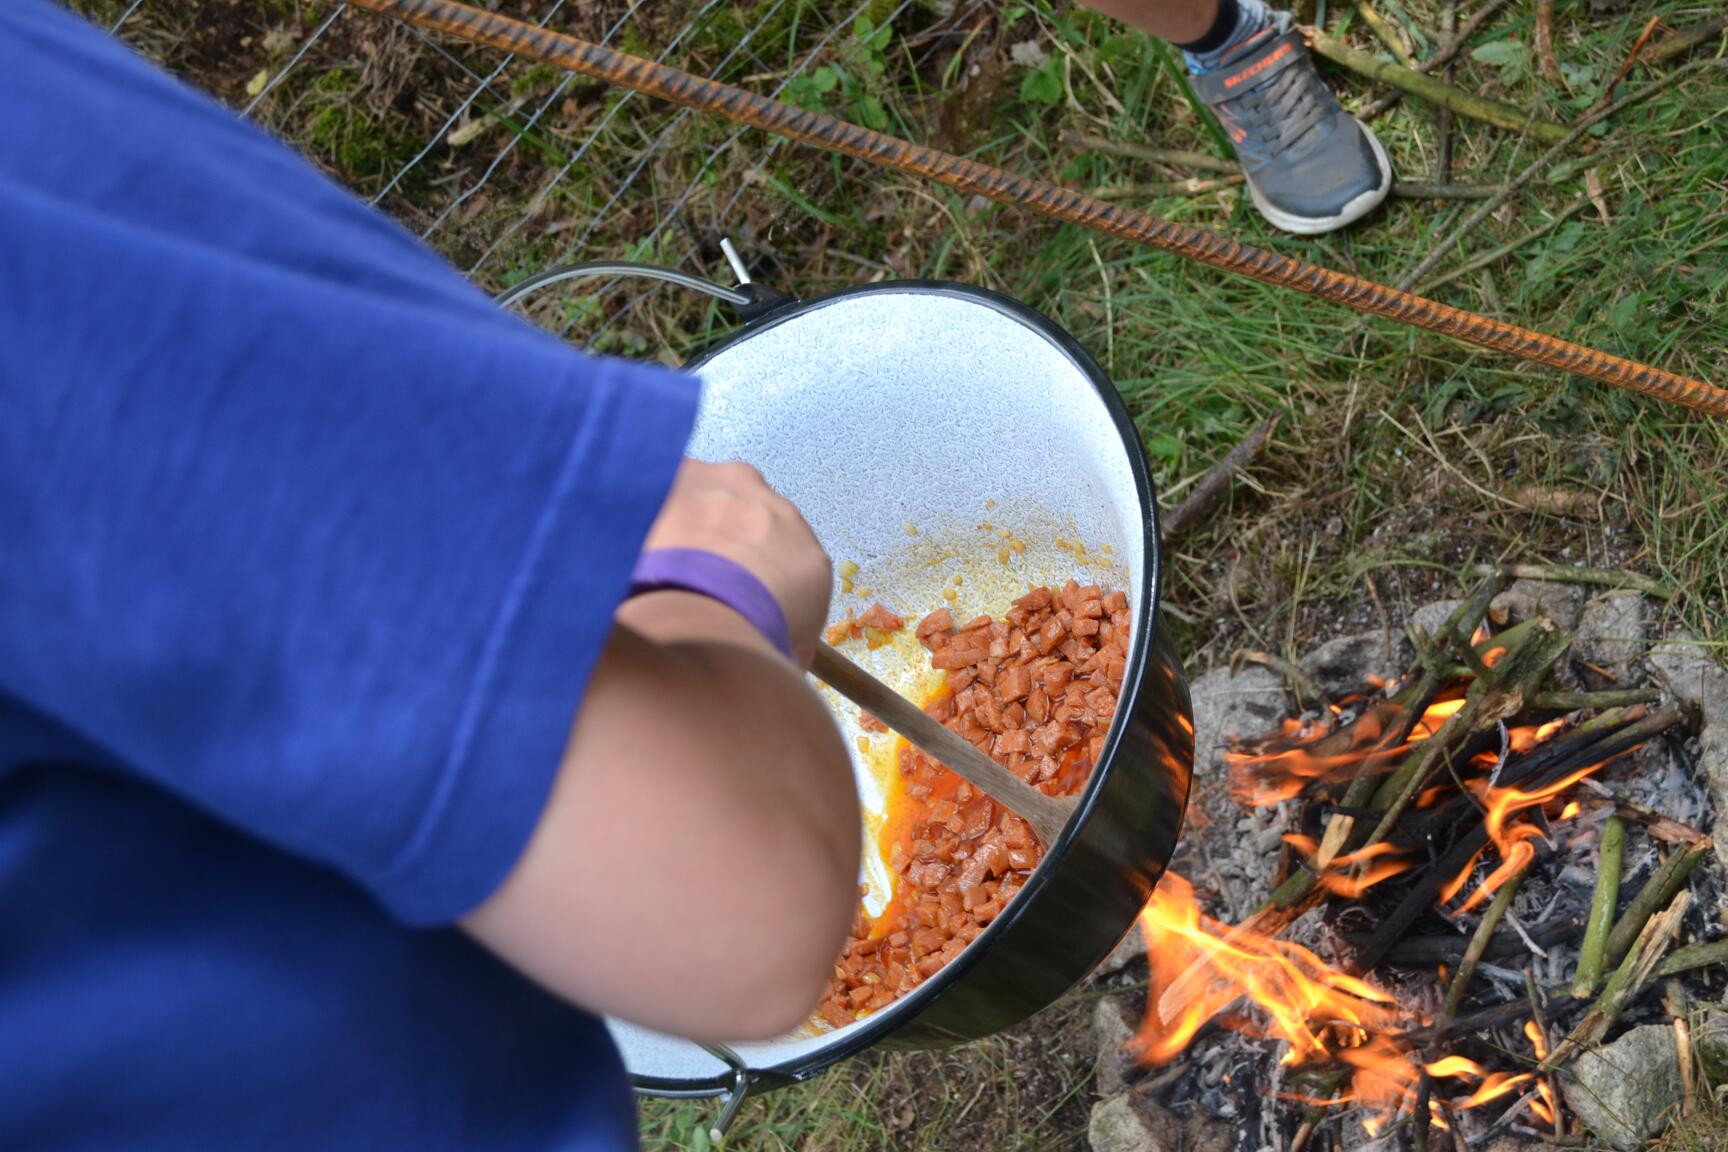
{"points": [[1472, 884]]}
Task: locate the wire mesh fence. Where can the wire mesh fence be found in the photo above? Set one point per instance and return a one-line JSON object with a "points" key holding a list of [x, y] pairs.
{"points": [[508, 166]]}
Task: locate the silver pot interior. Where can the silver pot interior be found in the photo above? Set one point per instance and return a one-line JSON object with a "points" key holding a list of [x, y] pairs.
{"points": [[924, 434]]}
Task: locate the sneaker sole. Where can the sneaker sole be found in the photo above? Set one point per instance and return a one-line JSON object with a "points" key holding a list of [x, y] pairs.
{"points": [[1349, 214]]}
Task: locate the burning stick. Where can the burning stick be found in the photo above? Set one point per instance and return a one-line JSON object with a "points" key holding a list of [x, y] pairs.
{"points": [[1596, 741], [1432, 654], [1515, 677], [1603, 902], [1536, 1031], [1674, 1002], [1473, 954]]}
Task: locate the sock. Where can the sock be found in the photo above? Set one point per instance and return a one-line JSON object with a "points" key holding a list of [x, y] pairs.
{"points": [[1237, 20]]}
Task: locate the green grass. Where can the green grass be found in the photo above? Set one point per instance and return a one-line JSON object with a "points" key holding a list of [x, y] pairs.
{"points": [[1402, 457], [1024, 1091]]}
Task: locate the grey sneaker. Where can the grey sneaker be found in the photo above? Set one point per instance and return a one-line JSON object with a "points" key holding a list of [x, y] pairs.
{"points": [[1311, 167]]}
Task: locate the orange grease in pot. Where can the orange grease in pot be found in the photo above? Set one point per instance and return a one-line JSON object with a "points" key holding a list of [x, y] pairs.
{"points": [[1036, 690]]}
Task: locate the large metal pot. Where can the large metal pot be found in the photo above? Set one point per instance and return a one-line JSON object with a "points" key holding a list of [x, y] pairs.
{"points": [[955, 413]]}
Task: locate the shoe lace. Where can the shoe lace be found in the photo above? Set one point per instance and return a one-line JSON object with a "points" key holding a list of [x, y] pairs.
{"points": [[1279, 114]]}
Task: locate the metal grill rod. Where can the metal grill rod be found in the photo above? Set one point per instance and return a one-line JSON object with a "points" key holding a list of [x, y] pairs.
{"points": [[969, 176]]}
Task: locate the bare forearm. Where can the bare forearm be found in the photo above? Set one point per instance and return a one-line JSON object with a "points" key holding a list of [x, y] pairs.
{"points": [[695, 869]]}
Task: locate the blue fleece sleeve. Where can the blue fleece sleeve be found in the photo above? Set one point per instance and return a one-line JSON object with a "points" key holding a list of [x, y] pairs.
{"points": [[293, 522]]}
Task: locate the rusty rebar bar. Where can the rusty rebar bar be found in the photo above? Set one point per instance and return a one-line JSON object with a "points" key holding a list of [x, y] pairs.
{"points": [[670, 84]]}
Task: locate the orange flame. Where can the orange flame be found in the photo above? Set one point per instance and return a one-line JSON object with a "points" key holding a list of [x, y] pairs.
{"points": [[1203, 970], [1353, 873], [1511, 844], [1305, 1000], [1281, 768], [1543, 1106]]}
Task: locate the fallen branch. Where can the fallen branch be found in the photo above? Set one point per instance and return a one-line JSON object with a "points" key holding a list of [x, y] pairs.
{"points": [[1684, 40], [1216, 482], [1443, 190], [1623, 987], [1382, 28], [1600, 577], [1495, 255], [1662, 886], [1517, 677], [1601, 738], [1545, 40], [1189, 187], [1468, 226], [1442, 55], [1171, 157], [1495, 112], [1603, 903], [1540, 1020], [1631, 58]]}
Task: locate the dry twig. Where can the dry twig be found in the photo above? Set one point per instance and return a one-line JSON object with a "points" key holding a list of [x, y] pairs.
{"points": [[1600, 577], [1382, 28], [1495, 112], [1216, 482], [1685, 40], [1442, 56]]}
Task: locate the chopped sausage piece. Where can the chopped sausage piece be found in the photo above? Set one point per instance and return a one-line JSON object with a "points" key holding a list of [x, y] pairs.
{"points": [[1035, 690], [881, 619], [938, 623], [869, 723]]}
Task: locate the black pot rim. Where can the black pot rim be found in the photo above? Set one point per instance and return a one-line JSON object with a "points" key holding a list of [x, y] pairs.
{"points": [[877, 1028]]}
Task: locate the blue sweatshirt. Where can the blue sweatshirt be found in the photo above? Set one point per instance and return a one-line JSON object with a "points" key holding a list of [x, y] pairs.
{"points": [[306, 554]]}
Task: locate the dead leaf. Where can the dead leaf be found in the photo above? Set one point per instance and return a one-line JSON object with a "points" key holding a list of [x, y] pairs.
{"points": [[256, 84], [1593, 186], [468, 130]]}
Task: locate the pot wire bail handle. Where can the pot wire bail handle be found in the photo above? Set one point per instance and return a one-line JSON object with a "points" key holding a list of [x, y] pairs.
{"points": [[751, 300]]}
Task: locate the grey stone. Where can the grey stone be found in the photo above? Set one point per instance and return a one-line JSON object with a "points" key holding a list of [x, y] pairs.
{"points": [[1132, 948], [1533, 599], [1242, 707], [1683, 667], [1112, 1031], [1511, 1144], [1626, 1091], [1353, 664], [1611, 632], [1427, 619], [1126, 1122]]}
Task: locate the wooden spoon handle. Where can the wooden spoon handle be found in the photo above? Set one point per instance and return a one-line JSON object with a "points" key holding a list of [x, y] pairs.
{"points": [[1048, 815]]}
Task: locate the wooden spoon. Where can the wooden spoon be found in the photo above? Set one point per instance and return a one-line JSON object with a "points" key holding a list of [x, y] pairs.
{"points": [[1048, 815]]}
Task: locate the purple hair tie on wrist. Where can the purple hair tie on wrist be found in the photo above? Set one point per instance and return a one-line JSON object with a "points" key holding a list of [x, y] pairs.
{"points": [[711, 574]]}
